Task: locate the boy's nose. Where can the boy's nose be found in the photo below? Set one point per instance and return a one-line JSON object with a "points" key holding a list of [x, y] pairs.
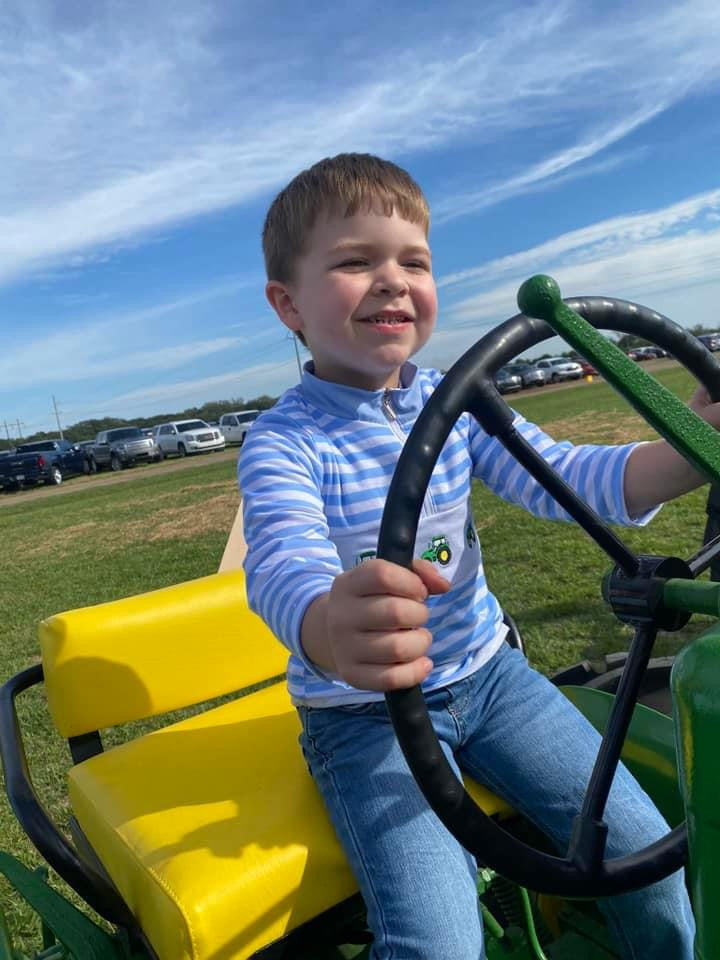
{"points": [[390, 283]]}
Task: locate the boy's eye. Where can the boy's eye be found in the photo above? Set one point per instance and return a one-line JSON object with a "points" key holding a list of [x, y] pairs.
{"points": [[417, 265], [353, 262]]}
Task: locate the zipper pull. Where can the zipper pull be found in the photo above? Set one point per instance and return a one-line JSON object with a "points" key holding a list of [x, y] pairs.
{"points": [[387, 406]]}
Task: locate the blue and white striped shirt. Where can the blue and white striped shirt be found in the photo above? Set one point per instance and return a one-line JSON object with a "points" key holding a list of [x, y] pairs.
{"points": [[314, 473]]}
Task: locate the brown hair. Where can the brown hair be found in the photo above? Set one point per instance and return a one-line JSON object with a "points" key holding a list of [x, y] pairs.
{"points": [[346, 183]]}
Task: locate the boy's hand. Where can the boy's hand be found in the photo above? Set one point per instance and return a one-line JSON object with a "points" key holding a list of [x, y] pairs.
{"points": [[376, 616], [704, 407]]}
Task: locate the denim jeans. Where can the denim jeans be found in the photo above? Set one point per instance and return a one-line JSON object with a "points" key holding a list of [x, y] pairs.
{"points": [[511, 729]]}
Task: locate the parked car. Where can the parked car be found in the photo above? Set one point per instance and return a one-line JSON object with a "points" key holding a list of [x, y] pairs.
{"points": [[181, 437], [44, 461], [530, 375], [234, 426], [124, 447], [652, 353], [506, 381], [711, 340], [560, 368]]}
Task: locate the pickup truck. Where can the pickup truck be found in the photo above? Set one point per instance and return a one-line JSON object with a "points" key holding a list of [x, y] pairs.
{"points": [[234, 426], [123, 447], [46, 461]]}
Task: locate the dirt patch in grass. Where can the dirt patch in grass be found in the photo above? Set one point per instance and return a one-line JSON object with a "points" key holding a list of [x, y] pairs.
{"points": [[608, 427], [153, 499], [169, 523], [184, 523]]}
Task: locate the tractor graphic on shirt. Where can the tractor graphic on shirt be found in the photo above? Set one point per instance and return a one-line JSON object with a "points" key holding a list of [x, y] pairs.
{"points": [[438, 551]]}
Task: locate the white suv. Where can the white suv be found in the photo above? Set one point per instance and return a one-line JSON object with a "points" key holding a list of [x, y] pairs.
{"points": [[182, 437], [234, 426], [559, 368]]}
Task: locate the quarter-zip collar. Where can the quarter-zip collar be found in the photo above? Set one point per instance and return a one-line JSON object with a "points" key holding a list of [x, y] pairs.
{"points": [[350, 403]]}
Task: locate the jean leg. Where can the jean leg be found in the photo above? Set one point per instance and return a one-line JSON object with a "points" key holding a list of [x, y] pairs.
{"points": [[526, 741], [417, 881]]}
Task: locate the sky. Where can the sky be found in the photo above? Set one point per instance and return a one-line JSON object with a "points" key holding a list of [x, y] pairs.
{"points": [[141, 144]]}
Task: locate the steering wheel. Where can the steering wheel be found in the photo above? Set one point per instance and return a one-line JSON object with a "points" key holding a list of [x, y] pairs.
{"points": [[632, 588]]}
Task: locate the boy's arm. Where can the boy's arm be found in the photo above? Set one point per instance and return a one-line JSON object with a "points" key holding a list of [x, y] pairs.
{"points": [[290, 560], [656, 472], [595, 472], [365, 625]]}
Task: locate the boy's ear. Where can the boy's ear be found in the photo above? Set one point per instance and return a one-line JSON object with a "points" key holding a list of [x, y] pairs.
{"points": [[280, 299]]}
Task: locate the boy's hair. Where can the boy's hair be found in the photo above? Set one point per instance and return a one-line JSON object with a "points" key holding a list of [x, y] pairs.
{"points": [[343, 184]]}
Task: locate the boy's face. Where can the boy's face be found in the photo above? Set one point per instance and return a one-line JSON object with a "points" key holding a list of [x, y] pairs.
{"points": [[363, 296]]}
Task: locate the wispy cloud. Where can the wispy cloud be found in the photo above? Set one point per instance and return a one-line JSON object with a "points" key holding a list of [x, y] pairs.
{"points": [[118, 124], [606, 238], [113, 343], [634, 256], [246, 382]]}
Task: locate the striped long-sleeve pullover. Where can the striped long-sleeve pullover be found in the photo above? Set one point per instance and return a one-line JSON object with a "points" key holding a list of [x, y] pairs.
{"points": [[314, 473]]}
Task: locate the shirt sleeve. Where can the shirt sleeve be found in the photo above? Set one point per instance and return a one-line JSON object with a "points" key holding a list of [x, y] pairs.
{"points": [[595, 472], [290, 559]]}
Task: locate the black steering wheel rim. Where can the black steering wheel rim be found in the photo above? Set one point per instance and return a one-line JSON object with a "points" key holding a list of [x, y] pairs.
{"points": [[469, 387]]}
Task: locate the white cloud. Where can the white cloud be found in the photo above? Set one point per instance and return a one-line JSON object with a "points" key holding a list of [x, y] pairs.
{"points": [[263, 378], [660, 258], [116, 342], [599, 241], [118, 124]]}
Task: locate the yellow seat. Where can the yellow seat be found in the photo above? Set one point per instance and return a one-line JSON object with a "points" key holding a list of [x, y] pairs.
{"points": [[211, 828]]}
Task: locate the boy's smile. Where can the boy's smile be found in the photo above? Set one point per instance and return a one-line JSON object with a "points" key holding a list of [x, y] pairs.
{"points": [[363, 296]]}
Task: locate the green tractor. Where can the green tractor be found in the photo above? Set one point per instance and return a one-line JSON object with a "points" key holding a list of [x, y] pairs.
{"points": [[438, 551], [206, 839]]}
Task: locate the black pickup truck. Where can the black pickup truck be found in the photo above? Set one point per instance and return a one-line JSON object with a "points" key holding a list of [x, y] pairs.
{"points": [[46, 461]]}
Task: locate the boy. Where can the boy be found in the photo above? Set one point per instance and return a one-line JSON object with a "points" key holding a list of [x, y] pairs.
{"points": [[350, 273]]}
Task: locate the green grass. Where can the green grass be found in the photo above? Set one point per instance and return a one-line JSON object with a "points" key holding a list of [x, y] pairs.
{"points": [[106, 542]]}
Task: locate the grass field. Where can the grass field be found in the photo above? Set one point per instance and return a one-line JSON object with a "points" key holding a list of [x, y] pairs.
{"points": [[108, 542]]}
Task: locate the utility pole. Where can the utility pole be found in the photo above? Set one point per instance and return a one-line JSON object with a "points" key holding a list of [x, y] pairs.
{"points": [[7, 432], [57, 417], [297, 354], [19, 430]]}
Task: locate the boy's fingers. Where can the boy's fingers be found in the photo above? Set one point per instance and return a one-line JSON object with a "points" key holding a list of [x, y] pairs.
{"points": [[389, 677], [382, 577], [392, 647], [383, 613], [433, 580]]}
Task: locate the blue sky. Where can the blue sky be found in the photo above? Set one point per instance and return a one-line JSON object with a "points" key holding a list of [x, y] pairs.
{"points": [[141, 144]]}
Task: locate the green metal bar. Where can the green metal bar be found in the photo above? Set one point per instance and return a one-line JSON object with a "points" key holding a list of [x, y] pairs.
{"points": [[530, 924], [691, 436], [490, 923], [695, 596], [695, 684], [76, 932], [6, 947]]}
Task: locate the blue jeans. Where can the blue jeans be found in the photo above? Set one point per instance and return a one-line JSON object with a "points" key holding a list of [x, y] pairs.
{"points": [[511, 729]]}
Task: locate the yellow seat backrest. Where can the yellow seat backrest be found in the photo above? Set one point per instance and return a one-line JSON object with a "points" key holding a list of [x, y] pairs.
{"points": [[146, 655]]}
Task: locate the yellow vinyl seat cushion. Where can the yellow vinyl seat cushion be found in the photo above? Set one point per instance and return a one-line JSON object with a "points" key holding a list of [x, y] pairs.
{"points": [[213, 830]]}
